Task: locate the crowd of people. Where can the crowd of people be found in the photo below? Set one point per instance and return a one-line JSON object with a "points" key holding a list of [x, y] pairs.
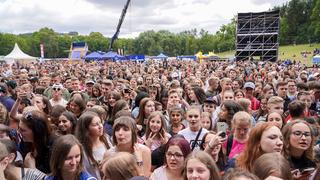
{"points": [[159, 121]]}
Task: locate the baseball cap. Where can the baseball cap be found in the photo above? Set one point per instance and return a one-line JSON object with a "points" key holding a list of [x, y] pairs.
{"points": [[90, 81], [249, 85], [209, 100]]}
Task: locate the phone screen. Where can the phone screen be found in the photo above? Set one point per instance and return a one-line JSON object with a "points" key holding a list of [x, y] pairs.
{"points": [[222, 126]]}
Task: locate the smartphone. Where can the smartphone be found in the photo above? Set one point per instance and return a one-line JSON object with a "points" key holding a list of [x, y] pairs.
{"points": [[222, 126], [223, 134]]}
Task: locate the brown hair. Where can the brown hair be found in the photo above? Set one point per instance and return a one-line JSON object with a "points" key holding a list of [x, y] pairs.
{"points": [[125, 122], [122, 166], [142, 105], [207, 160], [163, 129], [272, 163], [82, 133], [287, 131], [60, 151]]}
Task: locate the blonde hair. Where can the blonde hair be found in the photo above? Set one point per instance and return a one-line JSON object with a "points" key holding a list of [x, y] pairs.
{"points": [[274, 100], [122, 166], [241, 117]]}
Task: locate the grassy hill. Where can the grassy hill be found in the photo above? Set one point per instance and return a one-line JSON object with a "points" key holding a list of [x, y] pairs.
{"points": [[292, 52]]}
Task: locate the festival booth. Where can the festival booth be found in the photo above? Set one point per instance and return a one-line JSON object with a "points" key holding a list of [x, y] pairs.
{"points": [[111, 55], [94, 56], [161, 56], [187, 57], [316, 59], [16, 55], [136, 57]]}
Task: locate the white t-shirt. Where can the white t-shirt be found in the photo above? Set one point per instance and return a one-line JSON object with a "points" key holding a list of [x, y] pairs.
{"points": [[190, 136]]}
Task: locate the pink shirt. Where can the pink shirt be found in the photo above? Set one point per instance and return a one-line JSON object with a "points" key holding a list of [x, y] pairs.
{"points": [[236, 149]]}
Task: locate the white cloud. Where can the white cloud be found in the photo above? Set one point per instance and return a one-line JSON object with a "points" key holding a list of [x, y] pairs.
{"points": [[85, 16]]}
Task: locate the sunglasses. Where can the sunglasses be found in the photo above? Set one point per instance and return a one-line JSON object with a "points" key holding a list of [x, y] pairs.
{"points": [[56, 89]]}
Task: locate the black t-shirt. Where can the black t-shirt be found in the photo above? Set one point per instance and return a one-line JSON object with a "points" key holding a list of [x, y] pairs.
{"points": [[157, 156], [301, 163]]}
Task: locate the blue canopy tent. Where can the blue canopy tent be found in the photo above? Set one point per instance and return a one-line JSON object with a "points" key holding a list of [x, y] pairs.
{"points": [[161, 56], [187, 57], [113, 55], [136, 57], [316, 59], [94, 56]]}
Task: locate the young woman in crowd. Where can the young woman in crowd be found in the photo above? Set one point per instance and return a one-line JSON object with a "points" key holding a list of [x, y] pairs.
{"points": [[276, 118], [112, 98], [212, 144], [262, 111], [197, 95], [206, 120], [228, 109], [96, 90], [43, 104], [264, 138], [122, 166], [66, 160], [35, 131], [238, 94], [118, 106], [95, 143], [10, 169], [176, 116], [194, 133], [200, 165], [272, 165], [298, 147], [125, 140], [176, 150], [76, 105], [156, 131], [146, 107], [67, 123], [236, 142]]}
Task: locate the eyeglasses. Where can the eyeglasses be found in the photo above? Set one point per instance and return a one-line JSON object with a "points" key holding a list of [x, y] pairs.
{"points": [[56, 89], [175, 155], [300, 134]]}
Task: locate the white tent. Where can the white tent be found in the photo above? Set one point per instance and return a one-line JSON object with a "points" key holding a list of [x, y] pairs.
{"points": [[17, 55]]}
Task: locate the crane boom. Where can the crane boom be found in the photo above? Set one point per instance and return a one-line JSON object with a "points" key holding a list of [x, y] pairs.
{"points": [[123, 14]]}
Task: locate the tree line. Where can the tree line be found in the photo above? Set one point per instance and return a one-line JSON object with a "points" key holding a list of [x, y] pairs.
{"points": [[299, 24]]}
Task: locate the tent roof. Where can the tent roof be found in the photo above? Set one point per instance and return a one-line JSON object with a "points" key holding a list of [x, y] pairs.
{"points": [[94, 55], [16, 53], [161, 55]]}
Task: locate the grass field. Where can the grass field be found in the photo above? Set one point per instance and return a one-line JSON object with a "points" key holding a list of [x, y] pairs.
{"points": [[292, 52]]}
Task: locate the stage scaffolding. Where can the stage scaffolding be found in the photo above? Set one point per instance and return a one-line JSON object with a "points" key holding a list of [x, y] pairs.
{"points": [[258, 36]]}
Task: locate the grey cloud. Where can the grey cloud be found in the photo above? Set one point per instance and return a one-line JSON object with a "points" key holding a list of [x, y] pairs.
{"points": [[272, 2], [121, 3]]}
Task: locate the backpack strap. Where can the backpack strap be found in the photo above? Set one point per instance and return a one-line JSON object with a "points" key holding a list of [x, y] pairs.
{"points": [[229, 144], [196, 140]]}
